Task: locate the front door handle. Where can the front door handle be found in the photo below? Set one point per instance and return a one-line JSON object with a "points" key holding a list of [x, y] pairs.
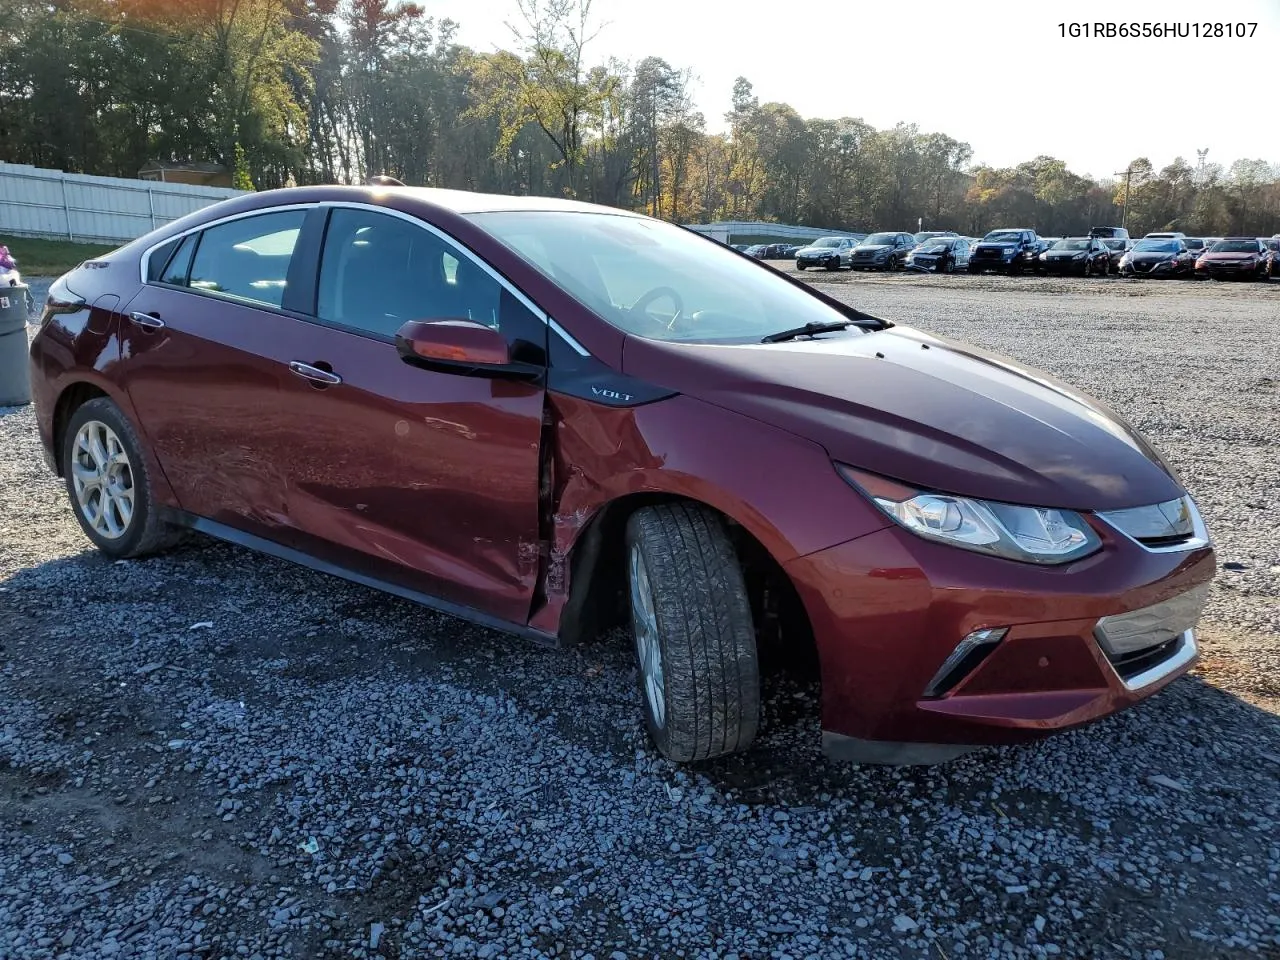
{"points": [[148, 321], [315, 374]]}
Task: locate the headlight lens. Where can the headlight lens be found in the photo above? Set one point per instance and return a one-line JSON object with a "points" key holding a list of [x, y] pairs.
{"points": [[1042, 535]]}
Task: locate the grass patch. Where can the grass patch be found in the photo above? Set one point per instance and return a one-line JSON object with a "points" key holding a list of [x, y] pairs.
{"points": [[51, 258]]}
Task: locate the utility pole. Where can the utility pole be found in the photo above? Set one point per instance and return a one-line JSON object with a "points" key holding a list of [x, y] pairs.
{"points": [[1128, 176], [1200, 155]]}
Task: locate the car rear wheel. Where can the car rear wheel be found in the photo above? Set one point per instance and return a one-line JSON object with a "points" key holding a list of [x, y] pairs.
{"points": [[107, 481], [799, 266], [694, 635]]}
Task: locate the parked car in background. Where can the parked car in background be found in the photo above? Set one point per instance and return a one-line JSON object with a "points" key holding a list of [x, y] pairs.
{"points": [[1109, 233], [741, 247], [830, 253], [1008, 251], [924, 235], [790, 250], [1165, 236], [883, 251], [1197, 245], [940, 254], [770, 251], [1117, 247], [1158, 257], [1086, 256], [739, 461], [1241, 258], [1273, 259]]}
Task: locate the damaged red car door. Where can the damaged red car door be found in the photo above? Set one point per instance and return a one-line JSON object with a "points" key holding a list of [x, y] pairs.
{"points": [[428, 478]]}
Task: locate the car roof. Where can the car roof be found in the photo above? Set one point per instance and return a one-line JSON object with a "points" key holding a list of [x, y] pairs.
{"points": [[467, 201]]}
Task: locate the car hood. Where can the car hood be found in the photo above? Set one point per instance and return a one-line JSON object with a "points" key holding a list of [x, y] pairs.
{"points": [[1150, 255], [815, 251], [1224, 255], [927, 411], [872, 247]]}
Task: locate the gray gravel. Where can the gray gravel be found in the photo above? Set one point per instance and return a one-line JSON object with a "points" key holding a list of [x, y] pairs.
{"points": [[217, 754]]}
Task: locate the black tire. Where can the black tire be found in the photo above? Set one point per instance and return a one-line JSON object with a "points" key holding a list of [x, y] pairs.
{"points": [[799, 266], [145, 532], [833, 264], [709, 687]]}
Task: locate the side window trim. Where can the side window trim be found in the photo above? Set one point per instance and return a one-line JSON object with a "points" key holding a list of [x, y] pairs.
{"points": [[477, 260], [144, 261]]}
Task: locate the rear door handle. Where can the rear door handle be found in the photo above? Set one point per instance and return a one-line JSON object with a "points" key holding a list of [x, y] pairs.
{"points": [[314, 374], [147, 320]]}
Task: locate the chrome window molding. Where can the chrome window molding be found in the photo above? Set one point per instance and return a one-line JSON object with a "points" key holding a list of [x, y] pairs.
{"points": [[1199, 532], [145, 259]]}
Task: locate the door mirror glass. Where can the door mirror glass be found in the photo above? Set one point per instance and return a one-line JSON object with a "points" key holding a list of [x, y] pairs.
{"points": [[453, 343]]}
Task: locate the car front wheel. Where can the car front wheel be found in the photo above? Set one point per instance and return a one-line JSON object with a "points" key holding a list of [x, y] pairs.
{"points": [[107, 481], [694, 635]]}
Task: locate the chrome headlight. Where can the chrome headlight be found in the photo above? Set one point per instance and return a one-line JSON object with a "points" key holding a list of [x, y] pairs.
{"points": [[1043, 535]]}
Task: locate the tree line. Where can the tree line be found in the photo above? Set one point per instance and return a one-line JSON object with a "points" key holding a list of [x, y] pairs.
{"points": [[312, 91]]}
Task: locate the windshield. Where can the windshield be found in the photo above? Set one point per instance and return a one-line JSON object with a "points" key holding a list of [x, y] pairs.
{"points": [[880, 240], [1236, 246], [1113, 244], [1002, 236], [612, 263], [826, 242], [1071, 245], [1156, 246], [938, 243]]}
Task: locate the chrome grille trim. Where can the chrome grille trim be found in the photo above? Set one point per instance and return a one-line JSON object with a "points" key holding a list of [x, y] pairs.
{"points": [[1153, 522]]}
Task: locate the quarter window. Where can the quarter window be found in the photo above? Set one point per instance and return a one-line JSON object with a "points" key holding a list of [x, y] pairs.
{"points": [[246, 259], [179, 265]]}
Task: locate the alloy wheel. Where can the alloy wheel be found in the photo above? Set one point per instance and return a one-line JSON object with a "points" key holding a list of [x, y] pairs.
{"points": [[644, 620], [102, 478]]}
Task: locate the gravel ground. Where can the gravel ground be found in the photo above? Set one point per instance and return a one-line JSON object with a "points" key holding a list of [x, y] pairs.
{"points": [[215, 754]]}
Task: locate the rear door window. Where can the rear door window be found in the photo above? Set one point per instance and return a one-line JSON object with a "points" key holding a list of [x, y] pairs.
{"points": [[247, 260]]}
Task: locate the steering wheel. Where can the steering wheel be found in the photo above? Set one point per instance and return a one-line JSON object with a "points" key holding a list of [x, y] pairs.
{"points": [[657, 293]]}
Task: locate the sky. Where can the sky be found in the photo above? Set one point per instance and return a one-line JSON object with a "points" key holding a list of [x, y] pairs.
{"points": [[1009, 85]]}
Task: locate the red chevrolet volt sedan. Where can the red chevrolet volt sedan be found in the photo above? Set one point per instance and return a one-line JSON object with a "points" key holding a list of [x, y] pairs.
{"points": [[550, 417]]}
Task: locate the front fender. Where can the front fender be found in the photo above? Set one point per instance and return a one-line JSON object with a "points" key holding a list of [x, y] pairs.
{"points": [[781, 488]]}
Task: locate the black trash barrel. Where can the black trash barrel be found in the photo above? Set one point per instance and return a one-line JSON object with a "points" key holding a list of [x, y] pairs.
{"points": [[15, 375]]}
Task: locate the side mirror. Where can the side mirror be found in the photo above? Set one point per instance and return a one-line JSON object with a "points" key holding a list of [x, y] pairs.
{"points": [[461, 347]]}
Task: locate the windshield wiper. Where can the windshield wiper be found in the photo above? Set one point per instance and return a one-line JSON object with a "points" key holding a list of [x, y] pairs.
{"points": [[809, 329]]}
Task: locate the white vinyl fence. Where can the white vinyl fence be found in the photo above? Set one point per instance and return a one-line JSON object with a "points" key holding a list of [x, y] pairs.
{"points": [[35, 202]]}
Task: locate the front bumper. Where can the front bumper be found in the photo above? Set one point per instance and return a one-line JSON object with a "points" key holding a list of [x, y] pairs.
{"points": [[818, 261], [1062, 266], [993, 263], [889, 608], [1228, 268]]}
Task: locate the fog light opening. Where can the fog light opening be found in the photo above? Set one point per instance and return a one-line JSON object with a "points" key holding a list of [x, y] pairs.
{"points": [[969, 652]]}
